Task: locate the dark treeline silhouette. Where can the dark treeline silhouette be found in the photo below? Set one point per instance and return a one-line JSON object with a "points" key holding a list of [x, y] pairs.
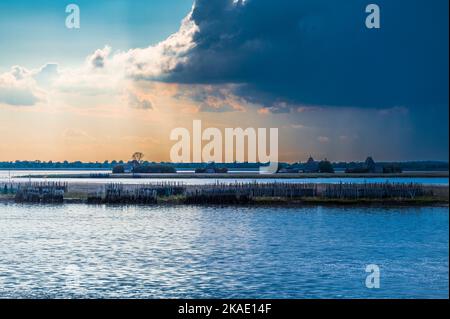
{"points": [[109, 165]]}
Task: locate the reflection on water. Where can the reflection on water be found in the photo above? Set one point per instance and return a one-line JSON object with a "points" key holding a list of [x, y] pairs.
{"points": [[191, 252]]}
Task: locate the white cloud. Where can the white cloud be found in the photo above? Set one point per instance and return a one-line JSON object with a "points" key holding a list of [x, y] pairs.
{"points": [[154, 62], [46, 74], [18, 88], [104, 72]]}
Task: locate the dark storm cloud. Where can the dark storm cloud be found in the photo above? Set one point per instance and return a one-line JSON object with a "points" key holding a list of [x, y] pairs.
{"points": [[209, 98], [319, 52]]}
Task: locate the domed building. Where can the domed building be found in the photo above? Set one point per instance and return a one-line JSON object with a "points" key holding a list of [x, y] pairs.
{"points": [[311, 166]]}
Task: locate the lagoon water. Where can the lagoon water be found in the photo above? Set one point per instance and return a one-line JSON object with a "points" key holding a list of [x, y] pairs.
{"points": [[207, 252], [18, 176]]}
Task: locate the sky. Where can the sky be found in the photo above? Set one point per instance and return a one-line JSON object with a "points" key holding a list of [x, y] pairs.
{"points": [[135, 70]]}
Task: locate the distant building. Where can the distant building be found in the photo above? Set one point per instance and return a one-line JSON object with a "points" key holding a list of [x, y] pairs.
{"points": [[368, 167], [122, 169], [211, 168], [311, 166], [373, 167], [154, 169], [145, 168]]}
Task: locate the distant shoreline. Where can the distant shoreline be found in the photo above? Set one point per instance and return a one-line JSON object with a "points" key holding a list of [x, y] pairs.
{"points": [[240, 175]]}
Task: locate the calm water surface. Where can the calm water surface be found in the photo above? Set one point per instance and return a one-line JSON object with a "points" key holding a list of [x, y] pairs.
{"points": [[5, 176], [192, 252]]}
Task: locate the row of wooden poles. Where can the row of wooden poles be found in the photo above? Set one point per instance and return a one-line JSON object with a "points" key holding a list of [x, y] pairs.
{"points": [[223, 193], [8, 188], [245, 192], [220, 193], [117, 193], [40, 192], [375, 191]]}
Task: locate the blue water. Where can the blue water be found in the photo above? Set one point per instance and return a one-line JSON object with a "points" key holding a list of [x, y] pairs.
{"points": [[6, 176], [192, 252]]}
